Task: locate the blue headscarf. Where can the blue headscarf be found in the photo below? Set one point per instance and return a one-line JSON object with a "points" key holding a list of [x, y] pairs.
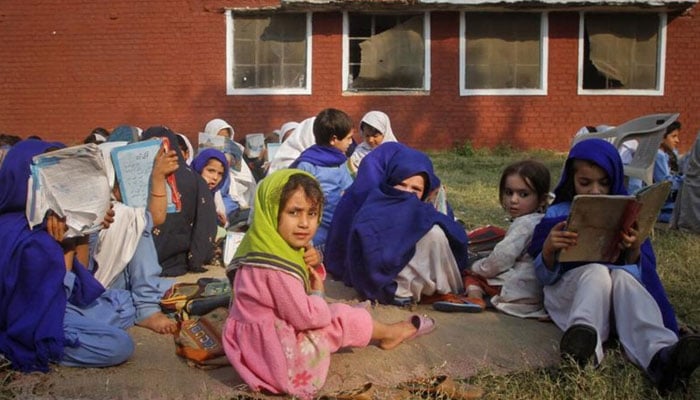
{"points": [[383, 235], [32, 267], [604, 154], [125, 133], [203, 158]]}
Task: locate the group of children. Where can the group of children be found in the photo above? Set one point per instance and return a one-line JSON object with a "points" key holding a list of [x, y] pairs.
{"points": [[372, 220]]}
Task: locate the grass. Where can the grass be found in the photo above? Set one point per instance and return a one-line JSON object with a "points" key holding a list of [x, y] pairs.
{"points": [[471, 176]]}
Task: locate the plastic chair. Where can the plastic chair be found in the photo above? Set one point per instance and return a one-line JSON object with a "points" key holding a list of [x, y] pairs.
{"points": [[648, 131]]}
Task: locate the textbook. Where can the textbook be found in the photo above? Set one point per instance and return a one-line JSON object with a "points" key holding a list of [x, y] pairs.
{"points": [[254, 144], [133, 164], [72, 183], [600, 219]]}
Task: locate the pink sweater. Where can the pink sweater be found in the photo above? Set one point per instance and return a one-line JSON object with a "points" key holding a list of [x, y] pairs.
{"points": [[280, 339]]}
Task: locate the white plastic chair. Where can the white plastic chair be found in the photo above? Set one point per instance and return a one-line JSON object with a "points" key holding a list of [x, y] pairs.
{"points": [[648, 131]]}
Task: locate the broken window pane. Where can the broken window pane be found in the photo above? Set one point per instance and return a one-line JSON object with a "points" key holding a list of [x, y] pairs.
{"points": [[503, 50], [269, 51], [620, 51], [386, 51]]}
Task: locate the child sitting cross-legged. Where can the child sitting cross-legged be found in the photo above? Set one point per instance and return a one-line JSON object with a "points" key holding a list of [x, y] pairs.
{"points": [[281, 332]]}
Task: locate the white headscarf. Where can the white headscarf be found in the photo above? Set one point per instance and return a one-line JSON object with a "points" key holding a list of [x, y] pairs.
{"points": [[190, 149], [288, 126], [301, 139], [243, 185], [379, 121]]}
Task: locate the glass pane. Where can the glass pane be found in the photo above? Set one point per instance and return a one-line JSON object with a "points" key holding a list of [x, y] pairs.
{"points": [[502, 50], [265, 46]]}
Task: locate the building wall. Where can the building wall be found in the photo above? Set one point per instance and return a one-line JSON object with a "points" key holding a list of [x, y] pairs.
{"points": [[69, 66]]}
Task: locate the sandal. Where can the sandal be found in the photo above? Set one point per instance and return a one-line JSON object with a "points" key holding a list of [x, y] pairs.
{"points": [[423, 324], [460, 304]]}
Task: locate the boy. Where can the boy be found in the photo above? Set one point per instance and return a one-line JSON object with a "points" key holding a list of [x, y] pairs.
{"points": [[326, 160]]}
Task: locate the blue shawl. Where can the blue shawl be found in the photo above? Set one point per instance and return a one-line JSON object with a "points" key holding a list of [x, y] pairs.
{"points": [[32, 269], [387, 226], [605, 156], [321, 156], [203, 158]]}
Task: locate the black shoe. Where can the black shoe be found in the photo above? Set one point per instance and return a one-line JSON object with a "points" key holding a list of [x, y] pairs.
{"points": [[672, 366], [578, 344]]}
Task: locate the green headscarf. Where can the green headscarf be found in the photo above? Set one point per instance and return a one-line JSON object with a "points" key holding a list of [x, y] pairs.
{"points": [[262, 246]]}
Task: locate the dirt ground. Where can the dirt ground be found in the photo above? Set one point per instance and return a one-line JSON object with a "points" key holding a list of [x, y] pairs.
{"points": [[461, 345]]}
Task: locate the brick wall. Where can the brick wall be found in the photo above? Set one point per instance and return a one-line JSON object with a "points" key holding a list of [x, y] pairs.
{"points": [[69, 66]]}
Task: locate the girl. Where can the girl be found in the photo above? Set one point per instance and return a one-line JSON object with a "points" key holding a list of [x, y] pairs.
{"points": [[666, 168], [584, 300], [185, 240], [375, 129], [507, 274], [212, 165], [280, 331], [399, 248], [52, 310]]}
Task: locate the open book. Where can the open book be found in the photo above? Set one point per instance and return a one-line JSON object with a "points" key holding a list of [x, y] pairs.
{"points": [[600, 219], [133, 164]]}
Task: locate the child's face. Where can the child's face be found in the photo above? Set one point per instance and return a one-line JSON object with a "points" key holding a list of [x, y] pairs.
{"points": [[213, 173], [518, 198], [298, 220], [590, 179], [225, 132], [342, 144], [671, 140], [413, 184], [372, 136]]}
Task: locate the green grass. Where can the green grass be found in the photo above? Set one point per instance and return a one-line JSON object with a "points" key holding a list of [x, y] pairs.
{"points": [[472, 177]]}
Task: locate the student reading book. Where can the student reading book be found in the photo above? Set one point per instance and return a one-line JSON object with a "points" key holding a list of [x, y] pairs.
{"points": [[599, 232]]}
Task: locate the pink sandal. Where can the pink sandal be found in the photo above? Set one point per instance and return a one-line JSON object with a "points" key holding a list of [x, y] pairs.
{"points": [[423, 324]]}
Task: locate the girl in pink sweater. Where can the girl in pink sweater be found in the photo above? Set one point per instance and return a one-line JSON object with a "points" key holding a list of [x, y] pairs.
{"points": [[280, 332]]}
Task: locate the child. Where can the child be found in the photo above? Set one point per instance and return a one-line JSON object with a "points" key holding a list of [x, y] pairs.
{"points": [[52, 310], [507, 274], [212, 165], [587, 300], [326, 161], [280, 332], [375, 129], [666, 168], [398, 247]]}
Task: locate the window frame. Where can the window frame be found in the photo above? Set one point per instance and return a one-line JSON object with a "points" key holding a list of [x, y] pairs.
{"points": [[660, 59], [544, 57], [345, 70], [231, 90]]}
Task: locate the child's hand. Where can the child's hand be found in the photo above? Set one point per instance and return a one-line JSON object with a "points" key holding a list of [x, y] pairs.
{"points": [[317, 275], [557, 239], [222, 219], [165, 163], [109, 217], [629, 245], [311, 256], [56, 226]]}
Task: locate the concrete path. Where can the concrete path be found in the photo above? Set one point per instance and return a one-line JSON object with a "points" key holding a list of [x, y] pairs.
{"points": [[461, 345]]}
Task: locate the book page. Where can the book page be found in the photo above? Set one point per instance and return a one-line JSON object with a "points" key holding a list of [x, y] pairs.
{"points": [[133, 165], [71, 182], [652, 198], [254, 144], [596, 219]]}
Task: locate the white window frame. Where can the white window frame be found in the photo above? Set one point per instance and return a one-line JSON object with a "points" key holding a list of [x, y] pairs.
{"points": [[544, 66], [660, 58], [345, 70], [231, 90]]}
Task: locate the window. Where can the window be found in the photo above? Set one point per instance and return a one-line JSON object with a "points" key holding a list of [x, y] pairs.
{"points": [[621, 53], [269, 54], [386, 52], [503, 53]]}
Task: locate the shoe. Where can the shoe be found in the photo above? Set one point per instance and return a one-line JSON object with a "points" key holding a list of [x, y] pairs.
{"points": [[672, 366], [460, 304], [424, 325], [578, 344], [402, 301]]}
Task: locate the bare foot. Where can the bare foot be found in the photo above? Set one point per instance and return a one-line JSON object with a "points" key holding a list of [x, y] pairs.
{"points": [[397, 333], [159, 323]]}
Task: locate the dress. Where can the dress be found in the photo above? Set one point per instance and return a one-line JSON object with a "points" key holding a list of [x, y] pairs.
{"points": [[278, 335], [510, 267], [663, 171], [686, 213]]}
